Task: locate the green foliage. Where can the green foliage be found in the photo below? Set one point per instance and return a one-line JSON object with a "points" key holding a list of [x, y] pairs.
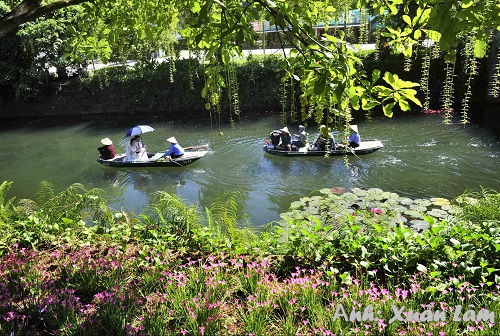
{"points": [[222, 231], [54, 218], [25, 58], [369, 232], [380, 233], [479, 206], [172, 221]]}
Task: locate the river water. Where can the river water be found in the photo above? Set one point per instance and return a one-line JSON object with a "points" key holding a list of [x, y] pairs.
{"points": [[422, 157]]}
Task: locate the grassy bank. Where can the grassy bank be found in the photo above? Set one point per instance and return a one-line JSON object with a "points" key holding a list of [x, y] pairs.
{"points": [[361, 262]]}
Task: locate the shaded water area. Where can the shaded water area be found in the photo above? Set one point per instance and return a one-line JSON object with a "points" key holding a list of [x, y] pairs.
{"points": [[422, 157]]}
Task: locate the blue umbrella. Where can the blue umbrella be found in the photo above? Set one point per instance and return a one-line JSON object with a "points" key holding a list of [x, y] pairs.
{"points": [[139, 130]]}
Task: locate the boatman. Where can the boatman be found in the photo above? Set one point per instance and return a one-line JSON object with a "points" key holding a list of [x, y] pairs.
{"points": [[108, 150], [354, 138], [175, 149]]}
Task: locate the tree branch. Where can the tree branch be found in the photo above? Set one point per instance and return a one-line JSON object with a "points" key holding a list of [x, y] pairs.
{"points": [[29, 10]]}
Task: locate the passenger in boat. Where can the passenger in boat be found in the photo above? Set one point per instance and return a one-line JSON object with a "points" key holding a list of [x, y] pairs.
{"points": [[175, 150], [354, 138], [133, 153], [325, 137], [140, 144], [301, 137], [275, 138], [286, 139], [107, 151]]}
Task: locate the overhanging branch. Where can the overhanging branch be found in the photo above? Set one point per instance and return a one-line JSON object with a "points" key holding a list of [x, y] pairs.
{"points": [[29, 10]]}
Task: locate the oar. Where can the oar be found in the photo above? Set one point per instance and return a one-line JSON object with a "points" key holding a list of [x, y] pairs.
{"points": [[196, 147], [172, 160], [352, 151]]}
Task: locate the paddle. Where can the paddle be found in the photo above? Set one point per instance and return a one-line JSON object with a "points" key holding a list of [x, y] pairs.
{"points": [[352, 151], [173, 160], [196, 147]]}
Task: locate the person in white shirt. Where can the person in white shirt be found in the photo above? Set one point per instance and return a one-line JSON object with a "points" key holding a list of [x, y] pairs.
{"points": [[134, 153]]}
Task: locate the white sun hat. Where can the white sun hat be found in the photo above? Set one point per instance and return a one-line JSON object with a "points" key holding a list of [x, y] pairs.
{"points": [[106, 141], [172, 140], [285, 129], [354, 128]]}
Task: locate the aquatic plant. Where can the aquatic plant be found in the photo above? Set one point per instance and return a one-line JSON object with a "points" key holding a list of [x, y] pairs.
{"points": [[163, 272]]}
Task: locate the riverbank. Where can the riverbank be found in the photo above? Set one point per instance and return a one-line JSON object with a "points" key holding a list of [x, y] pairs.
{"points": [[163, 273]]}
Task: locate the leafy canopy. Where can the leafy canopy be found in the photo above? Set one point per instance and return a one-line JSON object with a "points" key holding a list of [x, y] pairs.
{"points": [[329, 74]]}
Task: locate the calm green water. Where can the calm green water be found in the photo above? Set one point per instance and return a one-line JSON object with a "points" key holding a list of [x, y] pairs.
{"points": [[422, 157]]}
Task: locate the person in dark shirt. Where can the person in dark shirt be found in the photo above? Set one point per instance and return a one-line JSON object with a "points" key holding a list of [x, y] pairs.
{"points": [[286, 139], [107, 151]]}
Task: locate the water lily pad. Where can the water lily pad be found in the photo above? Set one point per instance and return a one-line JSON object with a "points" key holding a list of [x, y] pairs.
{"points": [[316, 198], [418, 207], [423, 202], [400, 208], [405, 200], [359, 192], [414, 214], [440, 201], [375, 190], [311, 210], [402, 218], [326, 191], [398, 220], [438, 213], [419, 225], [296, 205]]}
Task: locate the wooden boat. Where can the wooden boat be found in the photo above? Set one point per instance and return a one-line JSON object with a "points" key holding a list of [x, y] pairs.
{"points": [[366, 147], [191, 155]]}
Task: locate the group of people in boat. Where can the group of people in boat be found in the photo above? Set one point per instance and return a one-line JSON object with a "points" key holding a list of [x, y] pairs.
{"points": [[282, 139], [136, 151]]}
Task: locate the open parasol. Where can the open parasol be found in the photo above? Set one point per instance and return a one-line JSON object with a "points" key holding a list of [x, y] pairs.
{"points": [[139, 129]]}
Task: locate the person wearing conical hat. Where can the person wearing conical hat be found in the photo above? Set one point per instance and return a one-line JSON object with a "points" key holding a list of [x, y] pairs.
{"points": [[175, 149], [286, 139], [107, 151], [354, 138], [325, 139]]}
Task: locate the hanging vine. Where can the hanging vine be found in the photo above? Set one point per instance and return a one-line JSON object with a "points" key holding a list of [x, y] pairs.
{"points": [[495, 89], [448, 90], [284, 99], [233, 96], [293, 110], [407, 64], [363, 26], [376, 54], [424, 79], [171, 61], [190, 72], [470, 66], [435, 51]]}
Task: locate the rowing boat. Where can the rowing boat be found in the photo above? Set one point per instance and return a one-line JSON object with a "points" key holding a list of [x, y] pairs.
{"points": [[365, 147], [191, 155]]}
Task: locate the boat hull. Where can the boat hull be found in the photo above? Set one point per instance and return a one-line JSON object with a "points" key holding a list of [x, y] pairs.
{"points": [[366, 147], [155, 161]]}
